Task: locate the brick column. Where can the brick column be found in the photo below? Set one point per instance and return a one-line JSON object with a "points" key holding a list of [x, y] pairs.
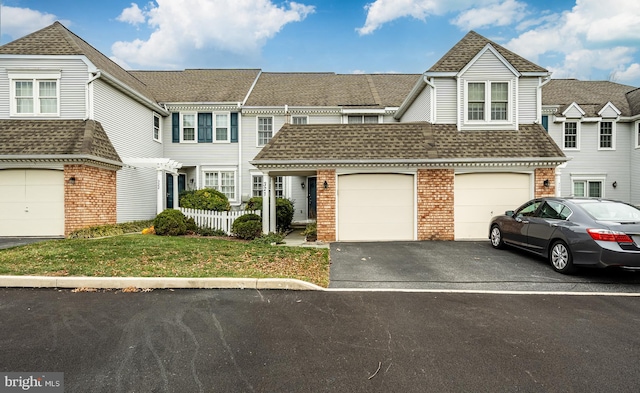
{"points": [[542, 174], [89, 197], [435, 204], [326, 205]]}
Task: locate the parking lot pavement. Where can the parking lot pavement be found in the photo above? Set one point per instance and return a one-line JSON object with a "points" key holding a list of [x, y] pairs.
{"points": [[474, 266]]}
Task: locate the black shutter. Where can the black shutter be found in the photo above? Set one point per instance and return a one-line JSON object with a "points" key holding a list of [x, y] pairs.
{"points": [[175, 127], [234, 127], [205, 127]]}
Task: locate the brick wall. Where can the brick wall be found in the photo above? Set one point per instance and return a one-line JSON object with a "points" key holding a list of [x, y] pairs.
{"points": [[91, 199], [542, 174], [435, 204], [326, 205]]}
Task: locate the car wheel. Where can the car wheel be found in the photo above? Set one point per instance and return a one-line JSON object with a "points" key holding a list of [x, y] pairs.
{"points": [[496, 237], [560, 257]]}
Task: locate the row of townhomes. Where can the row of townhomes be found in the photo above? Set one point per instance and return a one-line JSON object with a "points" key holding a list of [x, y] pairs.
{"points": [[370, 157]]}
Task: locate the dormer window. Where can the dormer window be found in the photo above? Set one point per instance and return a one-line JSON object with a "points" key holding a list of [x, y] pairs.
{"points": [[481, 93]]}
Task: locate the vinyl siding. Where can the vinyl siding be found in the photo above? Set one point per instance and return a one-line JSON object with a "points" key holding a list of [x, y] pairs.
{"points": [[609, 113], [73, 83], [446, 101], [420, 109], [635, 174], [528, 100], [573, 112], [129, 126]]}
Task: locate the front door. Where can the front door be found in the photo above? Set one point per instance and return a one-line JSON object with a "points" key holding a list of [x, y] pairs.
{"points": [[169, 182], [312, 197]]}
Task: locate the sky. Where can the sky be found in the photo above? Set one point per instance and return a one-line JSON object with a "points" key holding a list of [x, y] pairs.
{"points": [[583, 39]]}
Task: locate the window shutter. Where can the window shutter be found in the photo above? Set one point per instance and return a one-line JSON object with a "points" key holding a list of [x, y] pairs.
{"points": [[234, 127], [205, 127], [175, 127]]}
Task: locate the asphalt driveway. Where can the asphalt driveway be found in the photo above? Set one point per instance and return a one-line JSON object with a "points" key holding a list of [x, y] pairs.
{"points": [[445, 265], [9, 242]]}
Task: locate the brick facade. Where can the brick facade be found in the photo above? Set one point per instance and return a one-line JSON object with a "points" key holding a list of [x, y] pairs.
{"points": [[435, 204], [89, 197], [326, 205], [542, 174]]}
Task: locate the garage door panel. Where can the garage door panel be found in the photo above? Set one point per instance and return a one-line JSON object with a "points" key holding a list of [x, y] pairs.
{"points": [[12, 193], [375, 207]]}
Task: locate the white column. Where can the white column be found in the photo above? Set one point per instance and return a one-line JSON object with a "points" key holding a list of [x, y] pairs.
{"points": [[161, 192], [176, 194], [265, 203], [272, 205]]}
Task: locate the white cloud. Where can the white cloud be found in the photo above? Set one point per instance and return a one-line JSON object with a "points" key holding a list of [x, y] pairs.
{"points": [[180, 27], [132, 15], [18, 22], [501, 14], [629, 75]]}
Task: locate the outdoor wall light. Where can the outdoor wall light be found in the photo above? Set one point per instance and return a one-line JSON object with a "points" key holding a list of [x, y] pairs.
{"points": [[72, 180], [325, 184], [545, 183], [615, 184], [302, 185]]}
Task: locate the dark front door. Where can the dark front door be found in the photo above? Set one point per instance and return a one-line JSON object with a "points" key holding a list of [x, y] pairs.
{"points": [[169, 182], [312, 196]]}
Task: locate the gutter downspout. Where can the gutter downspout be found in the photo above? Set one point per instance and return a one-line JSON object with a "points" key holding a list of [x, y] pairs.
{"points": [[89, 115]]}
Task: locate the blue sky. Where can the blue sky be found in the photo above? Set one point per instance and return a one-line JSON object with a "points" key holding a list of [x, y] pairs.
{"points": [[584, 39]]}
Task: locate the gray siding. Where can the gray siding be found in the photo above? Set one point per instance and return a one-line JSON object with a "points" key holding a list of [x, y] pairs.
{"points": [[420, 109], [73, 83], [129, 126], [528, 109], [635, 163], [446, 100]]}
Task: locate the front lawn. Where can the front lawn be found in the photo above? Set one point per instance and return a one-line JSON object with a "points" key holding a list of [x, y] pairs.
{"points": [[161, 256]]}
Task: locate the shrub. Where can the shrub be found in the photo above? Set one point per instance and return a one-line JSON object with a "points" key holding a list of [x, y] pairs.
{"points": [[284, 211], [311, 232], [202, 231], [170, 223], [205, 199], [191, 224], [269, 238], [110, 229], [247, 226]]}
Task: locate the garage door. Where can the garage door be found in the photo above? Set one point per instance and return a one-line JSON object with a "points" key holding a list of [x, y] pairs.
{"points": [[31, 202], [480, 196], [375, 207]]}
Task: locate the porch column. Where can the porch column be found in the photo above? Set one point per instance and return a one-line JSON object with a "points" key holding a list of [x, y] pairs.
{"points": [[176, 194], [265, 203], [160, 193], [272, 205]]}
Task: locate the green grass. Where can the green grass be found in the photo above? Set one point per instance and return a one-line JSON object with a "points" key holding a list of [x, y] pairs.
{"points": [[160, 256]]}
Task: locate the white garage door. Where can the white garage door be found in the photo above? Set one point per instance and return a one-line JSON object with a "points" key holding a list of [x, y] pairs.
{"points": [[480, 196], [375, 207], [31, 202]]}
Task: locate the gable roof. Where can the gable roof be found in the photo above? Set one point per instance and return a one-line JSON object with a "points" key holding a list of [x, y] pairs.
{"points": [[469, 46], [56, 139], [57, 40], [591, 96], [199, 85], [330, 89], [404, 142]]}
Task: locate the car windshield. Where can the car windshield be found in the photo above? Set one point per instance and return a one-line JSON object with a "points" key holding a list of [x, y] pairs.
{"points": [[611, 211]]}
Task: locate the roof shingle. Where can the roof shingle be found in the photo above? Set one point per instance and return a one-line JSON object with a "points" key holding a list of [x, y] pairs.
{"points": [[592, 96]]}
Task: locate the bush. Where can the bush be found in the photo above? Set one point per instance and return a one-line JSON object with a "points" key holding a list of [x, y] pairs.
{"points": [[311, 232], [170, 223], [284, 211], [205, 199], [269, 239], [247, 226]]}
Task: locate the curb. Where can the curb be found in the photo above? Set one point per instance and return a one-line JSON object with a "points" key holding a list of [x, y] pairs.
{"points": [[156, 283]]}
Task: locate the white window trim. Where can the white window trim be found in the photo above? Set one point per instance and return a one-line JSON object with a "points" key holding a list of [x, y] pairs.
{"points": [[286, 184], [578, 124], [637, 132], [210, 169], [346, 117], [586, 178], [153, 130], [273, 128], [35, 77], [215, 126], [487, 102], [195, 127], [300, 116], [613, 134]]}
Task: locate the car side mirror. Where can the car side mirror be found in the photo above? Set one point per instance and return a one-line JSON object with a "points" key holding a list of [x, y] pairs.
{"points": [[509, 213]]}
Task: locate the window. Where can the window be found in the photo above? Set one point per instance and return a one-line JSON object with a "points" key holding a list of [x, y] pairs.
{"points": [[587, 188], [188, 127], [529, 209], [222, 128], [555, 210], [476, 101], [34, 96], [499, 100], [299, 120], [570, 137], [359, 119], [265, 130], [606, 135], [257, 186], [156, 127], [223, 181]]}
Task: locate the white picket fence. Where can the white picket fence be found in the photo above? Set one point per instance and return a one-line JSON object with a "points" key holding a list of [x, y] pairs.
{"points": [[216, 220]]}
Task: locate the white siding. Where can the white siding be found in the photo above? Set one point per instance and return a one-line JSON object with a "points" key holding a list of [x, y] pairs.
{"points": [[528, 100], [635, 163], [573, 112], [609, 113], [420, 109], [446, 100], [129, 126], [73, 83]]}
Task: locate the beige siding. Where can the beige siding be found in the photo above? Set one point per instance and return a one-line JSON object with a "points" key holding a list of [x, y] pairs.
{"points": [[420, 109], [528, 100], [446, 100]]}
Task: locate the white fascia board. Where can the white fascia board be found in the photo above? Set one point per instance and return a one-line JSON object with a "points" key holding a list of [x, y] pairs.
{"points": [[541, 74], [417, 161], [440, 74], [110, 79], [493, 50], [60, 158]]}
